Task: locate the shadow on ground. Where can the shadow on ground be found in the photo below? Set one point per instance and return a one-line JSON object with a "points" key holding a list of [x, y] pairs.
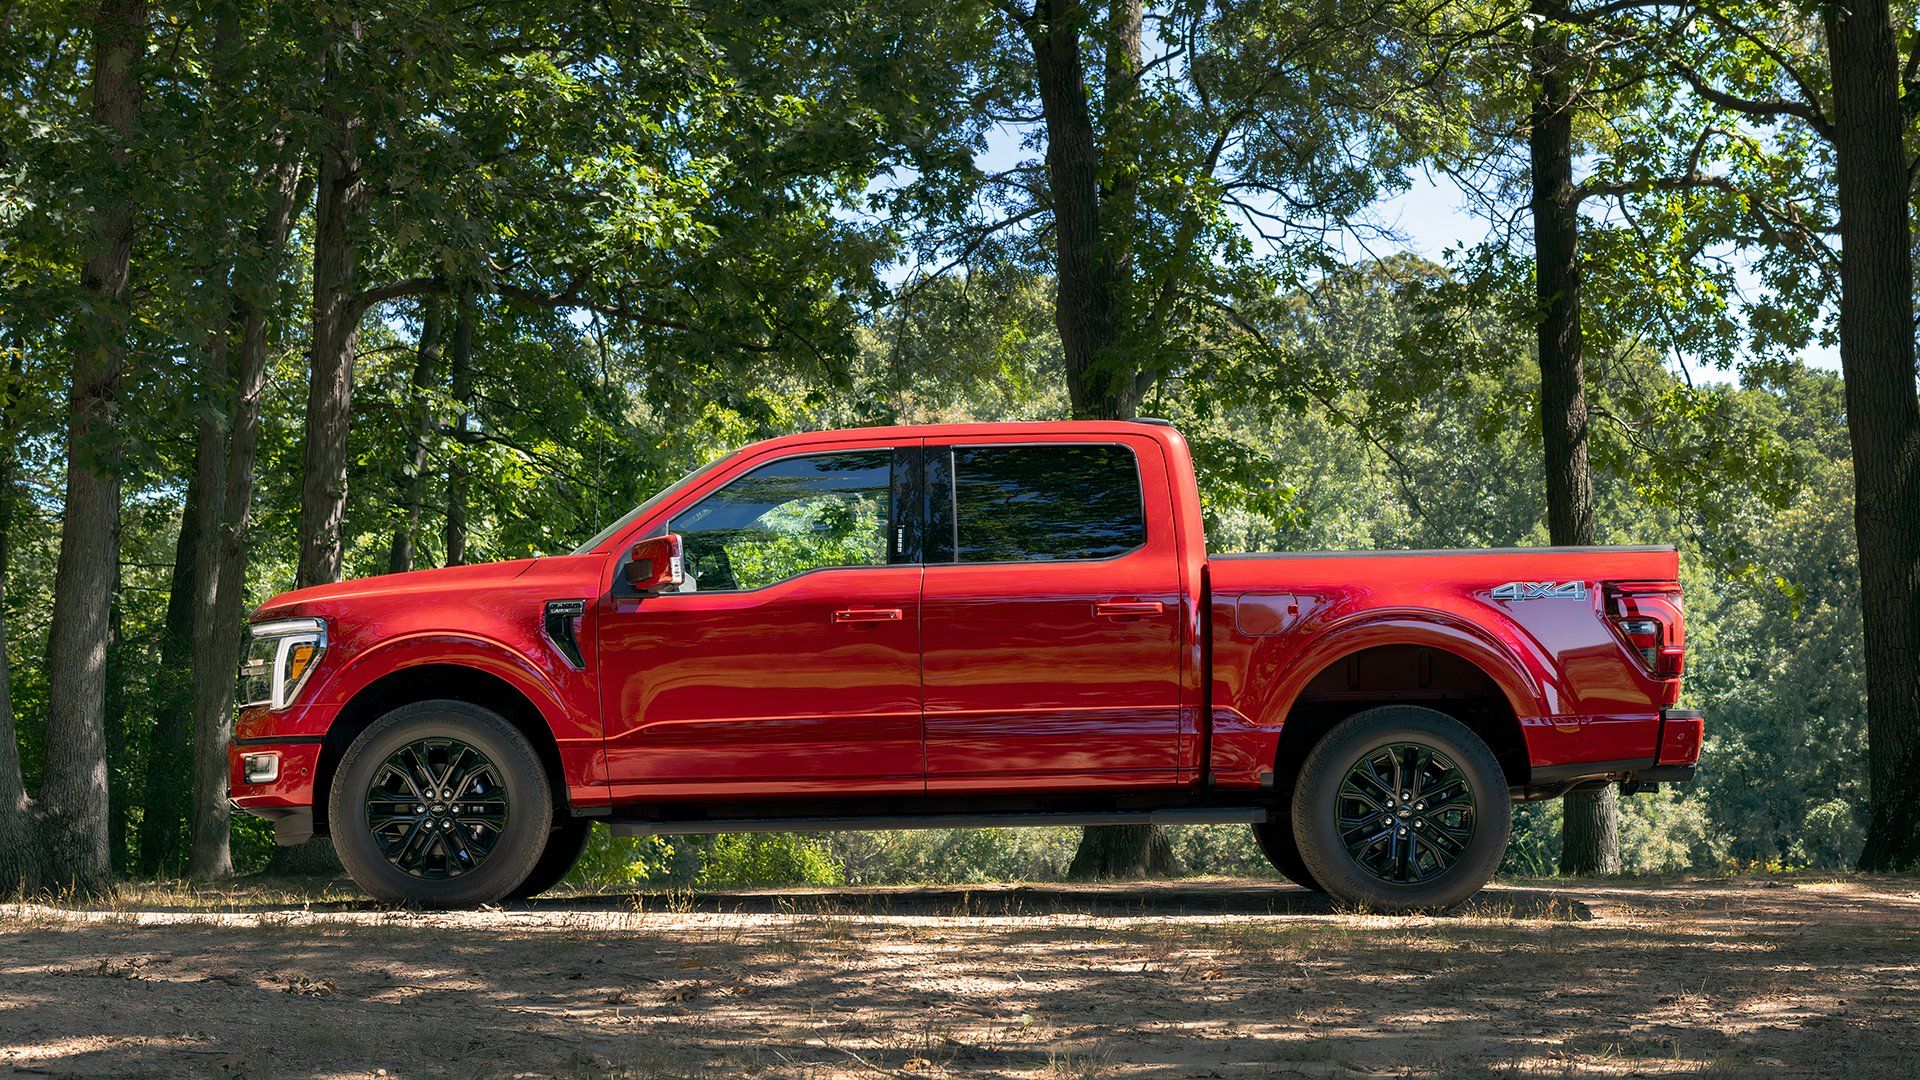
{"points": [[1734, 978], [1118, 900]]}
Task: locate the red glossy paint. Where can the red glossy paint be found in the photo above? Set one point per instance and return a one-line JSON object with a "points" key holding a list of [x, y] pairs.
{"points": [[1065, 675], [1160, 668]]}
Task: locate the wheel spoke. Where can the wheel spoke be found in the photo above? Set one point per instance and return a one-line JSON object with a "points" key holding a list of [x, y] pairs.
{"points": [[1415, 830], [436, 808]]}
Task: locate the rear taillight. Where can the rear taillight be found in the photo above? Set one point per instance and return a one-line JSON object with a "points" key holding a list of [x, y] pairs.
{"points": [[1643, 637], [1652, 623]]}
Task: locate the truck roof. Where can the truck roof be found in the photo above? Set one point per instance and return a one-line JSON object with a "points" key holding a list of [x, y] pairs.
{"points": [[1035, 428]]}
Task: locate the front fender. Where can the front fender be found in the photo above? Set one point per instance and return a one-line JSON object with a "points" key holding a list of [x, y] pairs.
{"points": [[455, 649]]}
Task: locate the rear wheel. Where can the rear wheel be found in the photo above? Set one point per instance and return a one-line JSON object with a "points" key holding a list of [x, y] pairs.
{"points": [[442, 804], [1401, 809], [565, 844], [1275, 837]]}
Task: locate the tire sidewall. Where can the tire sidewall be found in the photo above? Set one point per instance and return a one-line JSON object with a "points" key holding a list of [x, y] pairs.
{"points": [[1316, 829], [529, 804]]}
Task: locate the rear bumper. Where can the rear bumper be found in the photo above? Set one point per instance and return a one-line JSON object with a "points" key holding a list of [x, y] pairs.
{"points": [[1677, 757]]}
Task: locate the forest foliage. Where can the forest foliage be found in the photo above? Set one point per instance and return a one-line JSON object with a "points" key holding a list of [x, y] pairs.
{"points": [[533, 263]]}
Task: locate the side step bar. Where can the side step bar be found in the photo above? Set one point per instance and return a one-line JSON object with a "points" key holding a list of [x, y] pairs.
{"points": [[1222, 815]]}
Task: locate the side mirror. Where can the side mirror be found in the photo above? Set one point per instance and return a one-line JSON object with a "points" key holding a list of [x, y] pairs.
{"points": [[656, 566]]}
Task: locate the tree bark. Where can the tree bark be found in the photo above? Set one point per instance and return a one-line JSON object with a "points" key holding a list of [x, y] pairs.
{"points": [[1092, 212], [167, 801], [1590, 830], [219, 625], [412, 485], [1086, 307], [73, 804], [15, 808], [461, 363], [336, 318], [1883, 413]]}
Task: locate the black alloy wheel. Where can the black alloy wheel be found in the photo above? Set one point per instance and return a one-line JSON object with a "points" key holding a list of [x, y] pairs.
{"points": [[1406, 813], [440, 804], [1401, 808], [438, 808]]}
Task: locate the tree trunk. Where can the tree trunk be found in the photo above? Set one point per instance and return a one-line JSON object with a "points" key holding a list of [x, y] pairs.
{"points": [[1883, 414], [1086, 309], [73, 804], [219, 625], [323, 477], [1590, 831], [461, 363], [15, 808], [114, 722], [412, 485], [1091, 254], [210, 471], [167, 801], [1123, 851]]}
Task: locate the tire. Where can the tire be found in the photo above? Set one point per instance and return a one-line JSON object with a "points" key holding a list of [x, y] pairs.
{"points": [[1395, 866], [1275, 837], [383, 818], [565, 843]]}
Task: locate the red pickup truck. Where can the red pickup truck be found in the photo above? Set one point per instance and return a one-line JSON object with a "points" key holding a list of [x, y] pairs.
{"points": [[956, 625]]}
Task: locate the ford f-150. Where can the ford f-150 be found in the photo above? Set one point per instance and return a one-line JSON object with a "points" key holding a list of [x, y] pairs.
{"points": [[956, 625]]}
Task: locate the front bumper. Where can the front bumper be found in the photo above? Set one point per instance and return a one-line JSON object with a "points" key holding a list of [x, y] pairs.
{"points": [[287, 798], [291, 824]]}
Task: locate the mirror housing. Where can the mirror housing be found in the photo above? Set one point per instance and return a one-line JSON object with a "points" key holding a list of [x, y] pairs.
{"points": [[656, 566]]}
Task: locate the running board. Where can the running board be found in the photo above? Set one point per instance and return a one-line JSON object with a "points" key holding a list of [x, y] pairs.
{"points": [[1222, 815]]}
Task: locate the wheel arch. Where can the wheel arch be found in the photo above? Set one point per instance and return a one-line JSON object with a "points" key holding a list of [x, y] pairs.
{"points": [[1425, 659], [427, 682]]}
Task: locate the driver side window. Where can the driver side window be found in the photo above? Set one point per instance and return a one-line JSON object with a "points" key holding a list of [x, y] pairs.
{"points": [[788, 517]]}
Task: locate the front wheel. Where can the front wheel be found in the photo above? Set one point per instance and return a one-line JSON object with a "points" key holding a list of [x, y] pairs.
{"points": [[1402, 809], [441, 804]]}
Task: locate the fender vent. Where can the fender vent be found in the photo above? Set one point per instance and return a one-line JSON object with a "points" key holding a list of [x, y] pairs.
{"points": [[563, 629]]}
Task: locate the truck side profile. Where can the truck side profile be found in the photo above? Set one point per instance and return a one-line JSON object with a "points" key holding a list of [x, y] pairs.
{"points": [[980, 625]]}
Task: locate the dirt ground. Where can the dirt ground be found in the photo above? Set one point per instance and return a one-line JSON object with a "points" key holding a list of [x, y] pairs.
{"points": [[1726, 977]]}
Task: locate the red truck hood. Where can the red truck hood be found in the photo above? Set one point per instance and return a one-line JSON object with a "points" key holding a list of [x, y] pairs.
{"points": [[476, 576]]}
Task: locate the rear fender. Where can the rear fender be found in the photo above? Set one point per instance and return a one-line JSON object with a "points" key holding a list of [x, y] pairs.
{"points": [[1246, 739], [1529, 687]]}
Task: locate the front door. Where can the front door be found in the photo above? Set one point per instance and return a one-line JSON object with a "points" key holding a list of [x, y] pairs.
{"points": [[790, 662], [1051, 617]]}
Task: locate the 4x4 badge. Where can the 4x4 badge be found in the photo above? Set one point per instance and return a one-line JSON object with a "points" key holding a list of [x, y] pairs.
{"points": [[1541, 590]]}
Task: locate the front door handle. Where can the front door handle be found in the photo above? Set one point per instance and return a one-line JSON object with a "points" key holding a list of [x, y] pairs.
{"points": [[1128, 609], [891, 614]]}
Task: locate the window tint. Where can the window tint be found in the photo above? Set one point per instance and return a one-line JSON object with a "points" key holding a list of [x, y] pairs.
{"points": [[788, 517], [1045, 503]]}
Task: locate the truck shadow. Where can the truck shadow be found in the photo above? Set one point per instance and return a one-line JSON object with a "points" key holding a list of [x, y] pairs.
{"points": [[989, 901]]}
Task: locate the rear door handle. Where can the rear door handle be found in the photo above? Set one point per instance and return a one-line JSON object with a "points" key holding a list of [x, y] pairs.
{"points": [[891, 614], [1128, 609]]}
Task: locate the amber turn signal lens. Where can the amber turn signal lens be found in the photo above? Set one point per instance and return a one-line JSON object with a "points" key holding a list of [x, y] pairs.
{"points": [[298, 659]]}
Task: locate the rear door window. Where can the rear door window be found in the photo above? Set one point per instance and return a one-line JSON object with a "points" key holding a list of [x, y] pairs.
{"points": [[1049, 503]]}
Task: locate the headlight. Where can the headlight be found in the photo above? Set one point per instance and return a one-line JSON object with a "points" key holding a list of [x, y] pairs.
{"points": [[280, 656]]}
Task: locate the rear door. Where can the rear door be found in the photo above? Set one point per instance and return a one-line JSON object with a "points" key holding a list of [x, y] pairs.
{"points": [[1050, 617]]}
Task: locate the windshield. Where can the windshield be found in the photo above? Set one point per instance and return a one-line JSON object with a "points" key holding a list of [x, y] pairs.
{"points": [[645, 508]]}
